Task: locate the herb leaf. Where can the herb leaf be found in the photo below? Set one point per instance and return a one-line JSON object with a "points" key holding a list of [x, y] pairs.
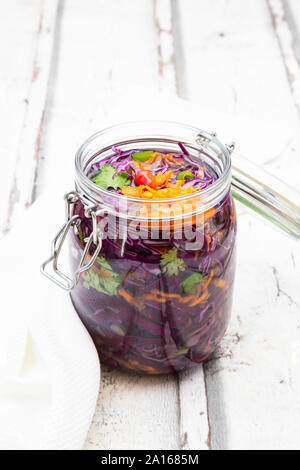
{"points": [[107, 282], [109, 178], [171, 263], [190, 283], [180, 351], [185, 175], [142, 156]]}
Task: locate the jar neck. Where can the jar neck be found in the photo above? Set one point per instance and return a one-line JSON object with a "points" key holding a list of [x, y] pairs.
{"points": [[161, 136]]}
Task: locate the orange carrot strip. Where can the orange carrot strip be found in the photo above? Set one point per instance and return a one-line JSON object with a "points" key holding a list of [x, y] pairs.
{"points": [[220, 283], [104, 273], [202, 298], [165, 294], [130, 191], [185, 300], [207, 281], [157, 299], [144, 191], [168, 157], [209, 214], [154, 157], [151, 297], [135, 365], [161, 179], [136, 303]]}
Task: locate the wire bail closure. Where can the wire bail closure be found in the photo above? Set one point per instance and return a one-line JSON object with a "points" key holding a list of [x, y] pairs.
{"points": [[59, 278]]}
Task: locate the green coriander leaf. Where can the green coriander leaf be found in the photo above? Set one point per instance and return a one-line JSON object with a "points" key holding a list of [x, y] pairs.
{"points": [[109, 178], [190, 283], [121, 180], [142, 156], [107, 282], [171, 263]]}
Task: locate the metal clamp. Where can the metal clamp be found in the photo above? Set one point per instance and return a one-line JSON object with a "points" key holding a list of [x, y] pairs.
{"points": [[68, 283], [230, 147]]}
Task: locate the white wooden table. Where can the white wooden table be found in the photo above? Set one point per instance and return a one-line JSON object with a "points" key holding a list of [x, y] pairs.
{"points": [[62, 61]]}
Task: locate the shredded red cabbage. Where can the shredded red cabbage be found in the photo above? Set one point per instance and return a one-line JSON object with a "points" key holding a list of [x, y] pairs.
{"points": [[155, 306]]}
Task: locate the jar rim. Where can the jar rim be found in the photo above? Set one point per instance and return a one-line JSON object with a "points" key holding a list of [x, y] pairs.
{"points": [[213, 192]]}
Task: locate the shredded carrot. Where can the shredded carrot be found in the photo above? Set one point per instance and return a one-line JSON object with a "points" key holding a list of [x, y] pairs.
{"points": [[196, 331], [202, 298], [131, 191], [137, 164], [168, 157], [160, 297], [207, 281], [202, 288], [140, 191], [185, 300], [100, 270], [220, 283], [131, 300], [175, 185], [155, 192], [161, 179], [135, 365], [104, 273], [201, 359], [148, 195], [154, 297], [154, 157], [209, 214], [161, 249], [98, 341], [208, 240], [143, 192], [166, 294]]}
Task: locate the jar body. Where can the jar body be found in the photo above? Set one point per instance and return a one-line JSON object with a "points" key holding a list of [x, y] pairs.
{"points": [[158, 306]]}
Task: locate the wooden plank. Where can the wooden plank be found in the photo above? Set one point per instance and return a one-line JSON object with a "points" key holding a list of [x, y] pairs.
{"points": [[15, 77], [21, 182], [193, 410], [225, 68], [252, 380], [135, 413], [292, 14], [163, 18], [99, 61], [282, 20], [195, 430], [232, 63]]}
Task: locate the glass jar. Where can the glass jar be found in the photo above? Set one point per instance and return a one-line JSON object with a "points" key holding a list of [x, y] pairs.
{"points": [[153, 279], [155, 293]]}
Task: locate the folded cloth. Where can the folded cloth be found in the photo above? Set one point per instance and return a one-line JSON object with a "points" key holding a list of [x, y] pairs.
{"points": [[49, 368]]}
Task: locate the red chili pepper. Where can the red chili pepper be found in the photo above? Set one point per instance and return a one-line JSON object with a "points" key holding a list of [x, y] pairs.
{"points": [[145, 178]]}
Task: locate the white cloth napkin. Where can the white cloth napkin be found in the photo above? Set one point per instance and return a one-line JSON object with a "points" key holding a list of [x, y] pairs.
{"points": [[49, 368]]}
